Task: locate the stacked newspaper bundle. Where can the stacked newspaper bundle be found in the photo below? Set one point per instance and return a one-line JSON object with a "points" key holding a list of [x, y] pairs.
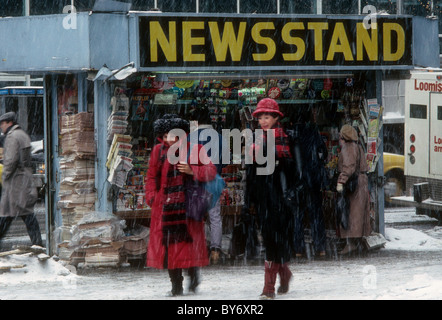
{"points": [[97, 240], [77, 135], [77, 167]]}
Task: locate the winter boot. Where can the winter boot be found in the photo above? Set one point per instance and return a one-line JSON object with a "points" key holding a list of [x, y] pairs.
{"points": [[271, 272], [194, 274], [349, 247], [214, 256], [176, 278], [285, 276]]}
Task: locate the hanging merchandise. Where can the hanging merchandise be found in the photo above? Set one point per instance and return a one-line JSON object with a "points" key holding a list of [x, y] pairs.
{"points": [[349, 82], [117, 122], [274, 93], [283, 84], [140, 101], [184, 84]]}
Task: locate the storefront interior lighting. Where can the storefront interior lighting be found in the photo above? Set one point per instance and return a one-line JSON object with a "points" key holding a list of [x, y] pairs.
{"points": [[221, 76]]}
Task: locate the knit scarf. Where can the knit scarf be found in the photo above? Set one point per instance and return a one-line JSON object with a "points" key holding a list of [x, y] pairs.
{"points": [[174, 222], [282, 142]]}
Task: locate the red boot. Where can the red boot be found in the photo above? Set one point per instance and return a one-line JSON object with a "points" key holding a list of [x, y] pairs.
{"points": [[286, 275], [271, 272]]}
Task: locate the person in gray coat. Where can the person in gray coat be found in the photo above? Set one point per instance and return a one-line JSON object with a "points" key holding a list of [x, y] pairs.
{"points": [[18, 193]]}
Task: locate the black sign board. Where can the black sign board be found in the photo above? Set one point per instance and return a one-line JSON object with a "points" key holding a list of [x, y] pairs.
{"points": [[216, 42]]}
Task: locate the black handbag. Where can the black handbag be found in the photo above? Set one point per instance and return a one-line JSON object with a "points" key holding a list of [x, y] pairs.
{"points": [[342, 210], [352, 182]]}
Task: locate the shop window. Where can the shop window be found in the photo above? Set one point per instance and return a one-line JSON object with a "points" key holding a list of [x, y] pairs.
{"points": [[142, 5], [42, 7], [11, 104], [143, 98], [382, 5], [90, 96], [418, 111], [439, 113], [213, 6], [297, 7], [258, 6], [339, 7], [177, 5], [11, 8], [35, 118], [67, 94], [417, 8]]}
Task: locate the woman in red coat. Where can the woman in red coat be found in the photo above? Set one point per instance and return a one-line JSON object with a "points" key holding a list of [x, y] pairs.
{"points": [[175, 242]]}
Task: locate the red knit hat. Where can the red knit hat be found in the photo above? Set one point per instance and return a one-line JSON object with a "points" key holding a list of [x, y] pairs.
{"points": [[267, 105]]}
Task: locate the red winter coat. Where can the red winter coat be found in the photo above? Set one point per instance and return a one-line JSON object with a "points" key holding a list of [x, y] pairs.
{"points": [[181, 255]]}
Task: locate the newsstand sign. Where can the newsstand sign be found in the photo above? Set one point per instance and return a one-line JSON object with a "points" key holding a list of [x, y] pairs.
{"points": [[262, 42]]}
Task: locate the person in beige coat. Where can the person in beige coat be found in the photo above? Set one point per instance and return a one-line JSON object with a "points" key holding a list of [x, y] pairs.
{"points": [[352, 159], [18, 192]]}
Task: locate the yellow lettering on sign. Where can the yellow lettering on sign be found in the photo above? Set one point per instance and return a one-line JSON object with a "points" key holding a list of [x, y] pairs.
{"points": [[157, 36], [339, 43], [298, 42], [318, 27], [268, 42], [189, 41], [388, 54], [367, 42], [229, 40]]}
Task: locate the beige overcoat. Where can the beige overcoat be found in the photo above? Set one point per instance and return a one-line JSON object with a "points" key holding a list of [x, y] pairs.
{"points": [[359, 219]]}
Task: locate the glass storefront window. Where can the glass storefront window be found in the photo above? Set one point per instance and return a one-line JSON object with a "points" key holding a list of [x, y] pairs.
{"points": [[142, 5], [297, 7], [418, 7], [11, 8], [41, 7], [67, 94], [388, 6], [211, 6], [258, 6], [177, 5], [340, 7]]}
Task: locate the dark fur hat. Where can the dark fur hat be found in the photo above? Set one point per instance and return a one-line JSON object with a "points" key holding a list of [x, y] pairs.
{"points": [[169, 122]]}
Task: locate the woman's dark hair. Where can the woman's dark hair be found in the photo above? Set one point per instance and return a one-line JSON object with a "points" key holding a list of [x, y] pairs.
{"points": [[273, 114], [169, 122]]}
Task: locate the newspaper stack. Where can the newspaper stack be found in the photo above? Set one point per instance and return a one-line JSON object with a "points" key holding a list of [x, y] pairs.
{"points": [[97, 240], [77, 170], [77, 135]]}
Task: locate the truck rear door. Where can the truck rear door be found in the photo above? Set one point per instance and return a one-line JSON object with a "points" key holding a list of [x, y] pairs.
{"points": [[435, 134]]}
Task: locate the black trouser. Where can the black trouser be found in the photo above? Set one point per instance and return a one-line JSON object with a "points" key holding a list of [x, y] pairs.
{"points": [[31, 225]]}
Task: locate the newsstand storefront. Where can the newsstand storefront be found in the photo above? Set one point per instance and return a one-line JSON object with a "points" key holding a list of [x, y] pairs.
{"points": [[100, 108]]}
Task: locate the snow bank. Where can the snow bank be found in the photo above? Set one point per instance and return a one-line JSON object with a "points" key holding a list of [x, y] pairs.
{"points": [[410, 240], [34, 270], [422, 287]]}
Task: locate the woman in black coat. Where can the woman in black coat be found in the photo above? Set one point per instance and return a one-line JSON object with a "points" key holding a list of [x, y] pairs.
{"points": [[267, 193]]}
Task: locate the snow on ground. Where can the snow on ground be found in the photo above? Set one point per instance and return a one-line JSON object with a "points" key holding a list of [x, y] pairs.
{"points": [[408, 268], [411, 240], [34, 270]]}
